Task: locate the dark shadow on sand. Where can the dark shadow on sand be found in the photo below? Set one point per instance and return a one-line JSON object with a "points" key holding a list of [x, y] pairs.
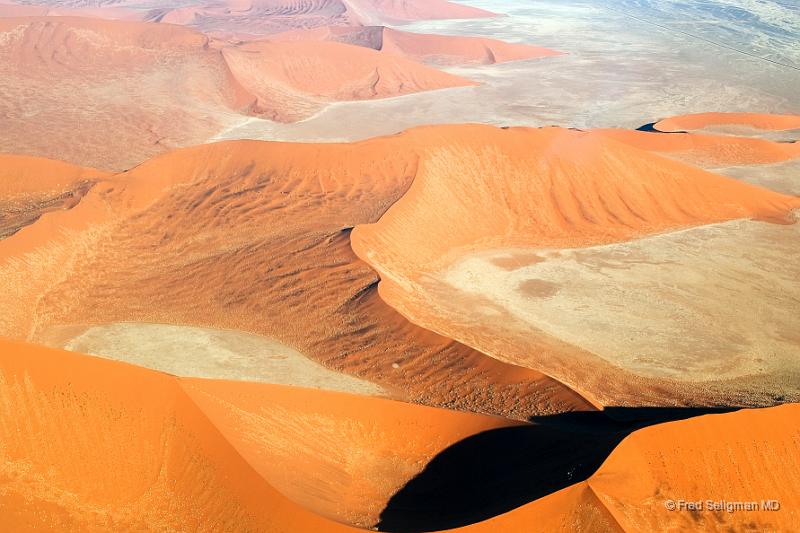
{"points": [[496, 471]]}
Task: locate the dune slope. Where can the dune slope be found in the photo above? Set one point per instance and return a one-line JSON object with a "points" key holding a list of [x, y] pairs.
{"points": [[553, 192], [204, 454], [708, 151], [255, 237], [135, 89]]}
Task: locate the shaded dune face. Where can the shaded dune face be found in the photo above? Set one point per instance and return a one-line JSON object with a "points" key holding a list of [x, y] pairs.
{"points": [[552, 189], [255, 237], [721, 457]]}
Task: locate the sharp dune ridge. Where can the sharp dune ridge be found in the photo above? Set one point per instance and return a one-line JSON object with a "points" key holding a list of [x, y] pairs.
{"points": [[207, 454], [709, 151]]}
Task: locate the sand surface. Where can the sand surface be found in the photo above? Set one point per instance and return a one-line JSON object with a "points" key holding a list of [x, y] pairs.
{"points": [[664, 306], [205, 353]]}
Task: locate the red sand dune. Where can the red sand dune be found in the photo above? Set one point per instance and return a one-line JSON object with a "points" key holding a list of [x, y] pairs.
{"points": [[588, 189], [700, 121], [107, 93], [339, 455], [110, 94], [438, 49], [189, 454], [293, 80], [255, 236], [707, 150]]}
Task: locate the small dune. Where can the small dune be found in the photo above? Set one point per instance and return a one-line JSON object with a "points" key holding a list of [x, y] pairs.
{"points": [[699, 121], [293, 80], [708, 150]]}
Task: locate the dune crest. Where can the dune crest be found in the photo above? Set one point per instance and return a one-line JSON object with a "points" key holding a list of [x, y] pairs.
{"points": [[31, 187], [207, 454]]}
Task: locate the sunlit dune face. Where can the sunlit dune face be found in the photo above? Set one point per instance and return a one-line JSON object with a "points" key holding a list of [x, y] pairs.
{"points": [[572, 275]]}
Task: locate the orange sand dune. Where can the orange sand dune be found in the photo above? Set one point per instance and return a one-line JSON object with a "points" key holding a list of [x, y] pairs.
{"points": [[439, 49], [551, 187], [293, 80], [31, 186], [85, 450], [255, 236], [199, 454], [546, 189], [700, 121], [747, 456], [446, 49], [708, 150]]}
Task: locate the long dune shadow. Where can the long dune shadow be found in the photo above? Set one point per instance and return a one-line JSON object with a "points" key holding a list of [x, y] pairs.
{"points": [[498, 470]]}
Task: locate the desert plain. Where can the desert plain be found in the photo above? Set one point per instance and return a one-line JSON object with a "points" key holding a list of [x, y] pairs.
{"points": [[420, 265]]}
